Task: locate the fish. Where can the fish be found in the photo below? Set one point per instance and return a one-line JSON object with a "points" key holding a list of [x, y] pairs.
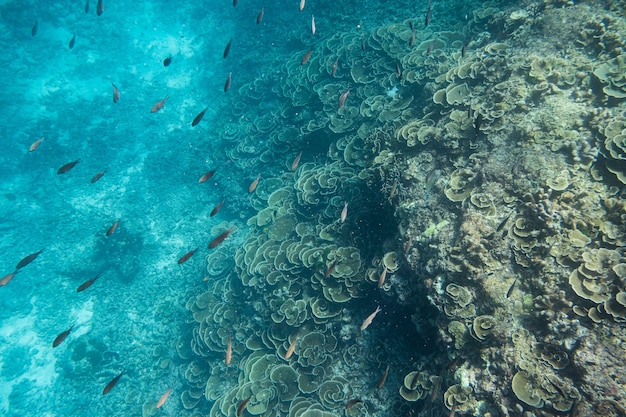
{"points": [[464, 48], [436, 386], [87, 6], [413, 382], [428, 12], [228, 81], [368, 319], [112, 228], [502, 223], [67, 167], [220, 238], [254, 184], [331, 269], [35, 144], [99, 8], [99, 175], [28, 259], [296, 161], [199, 117], [335, 64], [112, 383], [159, 105], [116, 93], [381, 280], [342, 99], [431, 46], [306, 57], [362, 41], [61, 337], [453, 410], [33, 30], [398, 72], [242, 406], [394, 187], [217, 208], [302, 3], [408, 245], [229, 351], [351, 403], [227, 49], [292, 348], [7, 278], [235, 3], [510, 290], [186, 256], [412, 38], [383, 378], [163, 398], [259, 17], [344, 213], [206, 176], [72, 41], [313, 29], [82, 287], [167, 61], [478, 121]]}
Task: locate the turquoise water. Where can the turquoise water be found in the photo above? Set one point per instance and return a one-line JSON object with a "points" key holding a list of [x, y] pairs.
{"points": [[471, 155]]}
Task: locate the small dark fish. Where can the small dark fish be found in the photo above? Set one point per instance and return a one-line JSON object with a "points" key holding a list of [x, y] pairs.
{"points": [[82, 287], [335, 64], [235, 3], [61, 337], [413, 383], [351, 403], [383, 378], [464, 48], [112, 383], [331, 269], [296, 161], [87, 7], [216, 209], [478, 121], [167, 61], [99, 8], [342, 99], [412, 38], [227, 49], [33, 30], [72, 41], [219, 239], [242, 406], [116, 93], [228, 80], [186, 256], [427, 20], [306, 57], [98, 175], [206, 176], [398, 72], [67, 167], [362, 41], [431, 46], [259, 17], [502, 223], [199, 117], [113, 228], [7, 278], [28, 259], [510, 290], [159, 105]]}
